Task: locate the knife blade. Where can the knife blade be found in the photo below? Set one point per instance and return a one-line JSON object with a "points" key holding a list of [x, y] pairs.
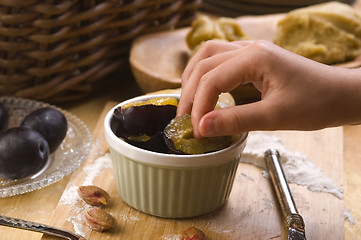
{"points": [[293, 220]]}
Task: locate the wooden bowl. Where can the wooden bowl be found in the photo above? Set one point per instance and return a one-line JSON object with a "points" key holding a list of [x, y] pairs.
{"points": [[157, 60]]}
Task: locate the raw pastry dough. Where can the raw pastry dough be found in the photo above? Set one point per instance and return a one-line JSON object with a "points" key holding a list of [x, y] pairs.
{"points": [[204, 28], [328, 33]]}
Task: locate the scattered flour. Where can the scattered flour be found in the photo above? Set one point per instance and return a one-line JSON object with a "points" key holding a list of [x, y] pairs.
{"points": [[71, 197], [78, 226], [93, 170], [298, 169], [171, 237], [349, 217], [128, 218]]}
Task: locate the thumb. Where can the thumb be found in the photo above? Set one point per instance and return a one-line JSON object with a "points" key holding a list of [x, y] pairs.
{"points": [[233, 120]]}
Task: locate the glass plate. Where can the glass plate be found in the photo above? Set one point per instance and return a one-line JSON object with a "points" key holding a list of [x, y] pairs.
{"points": [[69, 155]]}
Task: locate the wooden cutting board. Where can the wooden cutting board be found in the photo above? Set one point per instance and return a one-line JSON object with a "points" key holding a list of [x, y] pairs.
{"points": [[252, 211]]}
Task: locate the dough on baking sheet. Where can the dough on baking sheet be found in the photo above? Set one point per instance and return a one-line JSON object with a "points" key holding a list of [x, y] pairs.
{"points": [[328, 33], [205, 28]]}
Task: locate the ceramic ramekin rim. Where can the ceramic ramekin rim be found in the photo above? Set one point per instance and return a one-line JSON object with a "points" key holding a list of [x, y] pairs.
{"points": [[170, 160]]}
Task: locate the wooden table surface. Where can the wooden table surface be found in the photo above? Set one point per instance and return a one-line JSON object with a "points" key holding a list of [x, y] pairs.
{"points": [[39, 205]]}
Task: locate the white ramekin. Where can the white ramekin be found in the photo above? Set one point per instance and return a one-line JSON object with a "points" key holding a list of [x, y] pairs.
{"points": [[169, 185]]}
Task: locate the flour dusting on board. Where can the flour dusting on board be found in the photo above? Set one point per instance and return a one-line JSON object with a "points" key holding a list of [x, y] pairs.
{"points": [[348, 217], [93, 170], [298, 169], [78, 225], [71, 197], [171, 237]]}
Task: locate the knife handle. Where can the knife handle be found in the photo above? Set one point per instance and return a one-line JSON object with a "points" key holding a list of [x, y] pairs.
{"points": [[38, 227], [288, 206]]}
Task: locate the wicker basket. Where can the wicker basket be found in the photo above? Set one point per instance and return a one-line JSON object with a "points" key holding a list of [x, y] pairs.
{"points": [[58, 50]]}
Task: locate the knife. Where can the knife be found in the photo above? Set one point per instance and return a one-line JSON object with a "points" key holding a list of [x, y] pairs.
{"points": [[294, 221], [38, 227]]}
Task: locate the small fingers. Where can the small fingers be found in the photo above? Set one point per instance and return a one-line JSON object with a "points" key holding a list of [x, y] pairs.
{"points": [[209, 56], [240, 67], [235, 120], [200, 69], [210, 48], [213, 72]]}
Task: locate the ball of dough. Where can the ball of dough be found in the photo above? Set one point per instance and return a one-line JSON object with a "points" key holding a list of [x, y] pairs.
{"points": [[328, 33], [204, 28]]}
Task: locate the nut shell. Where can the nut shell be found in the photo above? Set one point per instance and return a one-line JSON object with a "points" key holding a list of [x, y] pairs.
{"points": [[93, 195], [193, 233], [98, 219]]}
